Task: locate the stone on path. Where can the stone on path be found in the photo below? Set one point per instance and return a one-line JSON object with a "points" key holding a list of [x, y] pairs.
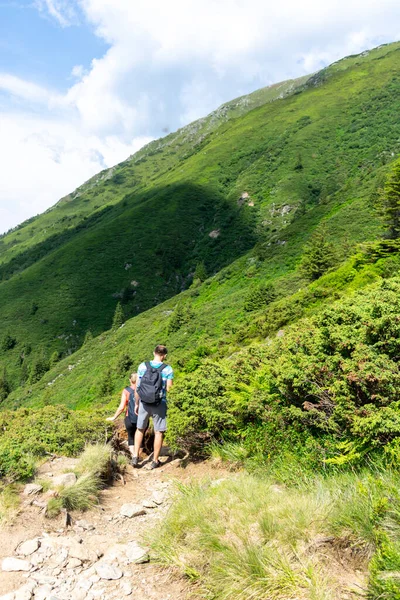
{"points": [[15, 564], [126, 588], [43, 592], [66, 480], [149, 504], [73, 563], [10, 596], [32, 488], [84, 525], [25, 592], [136, 554], [107, 571], [132, 510], [28, 547], [158, 497]]}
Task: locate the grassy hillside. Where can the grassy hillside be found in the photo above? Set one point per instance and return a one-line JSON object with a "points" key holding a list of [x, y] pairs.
{"points": [[262, 179]]}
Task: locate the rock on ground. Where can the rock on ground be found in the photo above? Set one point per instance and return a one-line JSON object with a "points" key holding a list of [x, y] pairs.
{"points": [[15, 564]]}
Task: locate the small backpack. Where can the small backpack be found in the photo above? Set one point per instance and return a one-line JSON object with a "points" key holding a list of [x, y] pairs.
{"points": [[151, 385], [132, 416]]}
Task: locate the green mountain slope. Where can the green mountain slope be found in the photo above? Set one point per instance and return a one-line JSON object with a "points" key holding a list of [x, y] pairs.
{"points": [[209, 193]]}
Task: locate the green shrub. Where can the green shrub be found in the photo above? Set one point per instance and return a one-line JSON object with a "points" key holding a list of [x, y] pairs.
{"points": [[9, 342], [259, 297], [181, 316], [119, 317], [94, 460], [52, 429], [318, 255], [40, 366]]}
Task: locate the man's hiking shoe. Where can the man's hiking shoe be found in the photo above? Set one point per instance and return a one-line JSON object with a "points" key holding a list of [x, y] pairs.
{"points": [[155, 464], [135, 462]]}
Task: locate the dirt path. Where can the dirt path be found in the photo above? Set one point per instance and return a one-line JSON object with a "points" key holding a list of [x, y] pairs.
{"points": [[75, 562]]}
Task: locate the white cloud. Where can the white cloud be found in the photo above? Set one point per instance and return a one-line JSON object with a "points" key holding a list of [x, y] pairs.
{"points": [[167, 64], [62, 11]]}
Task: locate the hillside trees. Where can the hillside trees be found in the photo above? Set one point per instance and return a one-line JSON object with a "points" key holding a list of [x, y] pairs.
{"points": [[390, 201], [319, 255], [119, 317], [259, 296], [5, 387]]}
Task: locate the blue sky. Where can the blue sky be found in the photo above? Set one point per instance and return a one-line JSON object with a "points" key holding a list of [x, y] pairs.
{"points": [[34, 46], [85, 83]]}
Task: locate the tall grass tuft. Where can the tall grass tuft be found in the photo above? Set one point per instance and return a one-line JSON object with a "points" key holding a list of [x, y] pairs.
{"points": [[9, 503], [92, 468], [83, 494], [94, 460]]}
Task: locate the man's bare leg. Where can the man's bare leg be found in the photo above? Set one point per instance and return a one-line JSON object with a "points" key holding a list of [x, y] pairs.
{"points": [[139, 433], [132, 450], [158, 440]]}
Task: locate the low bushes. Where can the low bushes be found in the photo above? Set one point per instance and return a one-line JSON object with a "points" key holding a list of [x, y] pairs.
{"points": [[332, 377], [29, 434]]}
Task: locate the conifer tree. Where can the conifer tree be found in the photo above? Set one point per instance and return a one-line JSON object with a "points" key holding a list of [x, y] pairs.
{"points": [[200, 272], [54, 358], [5, 387], [88, 337], [40, 366], [119, 317], [319, 255], [390, 201]]}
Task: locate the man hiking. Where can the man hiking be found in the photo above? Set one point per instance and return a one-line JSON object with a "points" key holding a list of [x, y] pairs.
{"points": [[154, 380]]}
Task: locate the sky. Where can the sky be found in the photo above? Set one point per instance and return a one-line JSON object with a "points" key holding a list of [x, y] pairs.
{"points": [[86, 83]]}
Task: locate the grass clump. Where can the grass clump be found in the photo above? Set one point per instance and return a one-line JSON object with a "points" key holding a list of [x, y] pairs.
{"points": [[83, 494], [94, 460], [92, 469], [9, 503]]}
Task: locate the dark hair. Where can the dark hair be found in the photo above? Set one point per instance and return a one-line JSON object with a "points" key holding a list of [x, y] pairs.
{"points": [[161, 350]]}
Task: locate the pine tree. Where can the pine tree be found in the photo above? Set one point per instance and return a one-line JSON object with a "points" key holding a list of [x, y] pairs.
{"points": [[319, 255], [124, 364], [88, 337], [390, 201], [40, 366], [9, 342], [200, 272], [5, 387], [119, 317], [259, 296], [54, 358], [106, 384]]}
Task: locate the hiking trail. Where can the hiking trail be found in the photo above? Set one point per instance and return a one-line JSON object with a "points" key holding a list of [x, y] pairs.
{"points": [[101, 554]]}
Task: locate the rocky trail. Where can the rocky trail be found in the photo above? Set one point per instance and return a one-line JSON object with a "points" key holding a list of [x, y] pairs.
{"points": [[97, 555]]}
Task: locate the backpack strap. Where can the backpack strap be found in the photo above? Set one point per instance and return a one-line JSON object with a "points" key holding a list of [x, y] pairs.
{"points": [[162, 367]]}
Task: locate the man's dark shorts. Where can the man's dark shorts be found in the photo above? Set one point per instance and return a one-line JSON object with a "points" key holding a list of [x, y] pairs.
{"points": [[159, 414]]}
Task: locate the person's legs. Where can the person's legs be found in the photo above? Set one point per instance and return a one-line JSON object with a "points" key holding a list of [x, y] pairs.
{"points": [[160, 427], [130, 429], [142, 422], [158, 440], [138, 441]]}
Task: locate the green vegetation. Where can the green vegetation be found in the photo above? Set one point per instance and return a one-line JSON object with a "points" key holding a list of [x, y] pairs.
{"points": [[247, 537], [390, 201], [52, 429], [92, 469], [225, 185], [251, 245]]}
